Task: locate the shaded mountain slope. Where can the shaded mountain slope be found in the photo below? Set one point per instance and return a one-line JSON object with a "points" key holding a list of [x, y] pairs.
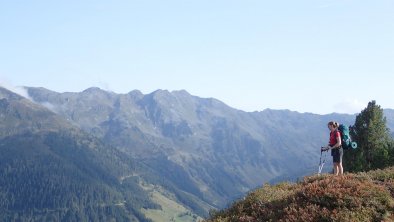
{"points": [[52, 171], [47, 177], [352, 197]]}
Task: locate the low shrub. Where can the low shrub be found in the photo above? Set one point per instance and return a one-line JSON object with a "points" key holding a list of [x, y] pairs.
{"points": [[351, 197]]}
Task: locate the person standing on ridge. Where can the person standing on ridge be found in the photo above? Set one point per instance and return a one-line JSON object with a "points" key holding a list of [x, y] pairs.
{"points": [[335, 145]]}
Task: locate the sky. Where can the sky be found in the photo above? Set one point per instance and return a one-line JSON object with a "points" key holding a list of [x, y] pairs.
{"points": [[318, 56]]}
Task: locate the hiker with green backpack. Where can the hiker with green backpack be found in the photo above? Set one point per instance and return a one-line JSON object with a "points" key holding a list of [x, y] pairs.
{"points": [[340, 141], [335, 145]]}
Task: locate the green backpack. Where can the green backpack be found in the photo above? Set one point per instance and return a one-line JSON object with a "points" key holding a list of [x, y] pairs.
{"points": [[347, 142]]}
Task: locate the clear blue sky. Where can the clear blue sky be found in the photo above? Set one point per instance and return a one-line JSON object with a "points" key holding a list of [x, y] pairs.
{"points": [[251, 54]]}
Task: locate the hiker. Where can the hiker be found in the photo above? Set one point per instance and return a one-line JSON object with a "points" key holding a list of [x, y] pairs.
{"points": [[335, 145]]}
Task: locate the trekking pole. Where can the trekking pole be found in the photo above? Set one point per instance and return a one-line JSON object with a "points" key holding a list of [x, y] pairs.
{"points": [[321, 164]]}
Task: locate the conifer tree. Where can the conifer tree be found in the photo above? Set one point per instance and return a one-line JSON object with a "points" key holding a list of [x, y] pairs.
{"points": [[374, 141]]}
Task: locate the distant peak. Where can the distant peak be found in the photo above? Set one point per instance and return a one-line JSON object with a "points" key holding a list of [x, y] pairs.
{"points": [[161, 92], [92, 89], [181, 92], [135, 92]]}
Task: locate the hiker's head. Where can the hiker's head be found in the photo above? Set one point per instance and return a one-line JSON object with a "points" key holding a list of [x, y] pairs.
{"points": [[333, 125]]}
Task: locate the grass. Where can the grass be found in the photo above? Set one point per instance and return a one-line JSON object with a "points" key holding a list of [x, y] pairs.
{"points": [[171, 210]]}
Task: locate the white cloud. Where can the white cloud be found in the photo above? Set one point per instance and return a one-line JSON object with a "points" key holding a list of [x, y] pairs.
{"points": [[16, 89], [350, 106], [49, 106], [22, 91], [105, 86]]}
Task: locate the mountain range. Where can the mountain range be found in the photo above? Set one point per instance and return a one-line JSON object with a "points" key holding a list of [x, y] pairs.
{"points": [[198, 152]]}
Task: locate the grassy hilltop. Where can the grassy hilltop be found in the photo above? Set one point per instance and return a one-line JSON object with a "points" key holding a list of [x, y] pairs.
{"points": [[352, 197]]}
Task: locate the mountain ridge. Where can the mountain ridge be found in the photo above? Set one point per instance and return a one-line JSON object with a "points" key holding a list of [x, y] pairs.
{"points": [[138, 92]]}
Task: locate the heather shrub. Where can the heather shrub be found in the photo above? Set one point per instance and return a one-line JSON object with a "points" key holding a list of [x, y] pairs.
{"points": [[351, 197]]}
